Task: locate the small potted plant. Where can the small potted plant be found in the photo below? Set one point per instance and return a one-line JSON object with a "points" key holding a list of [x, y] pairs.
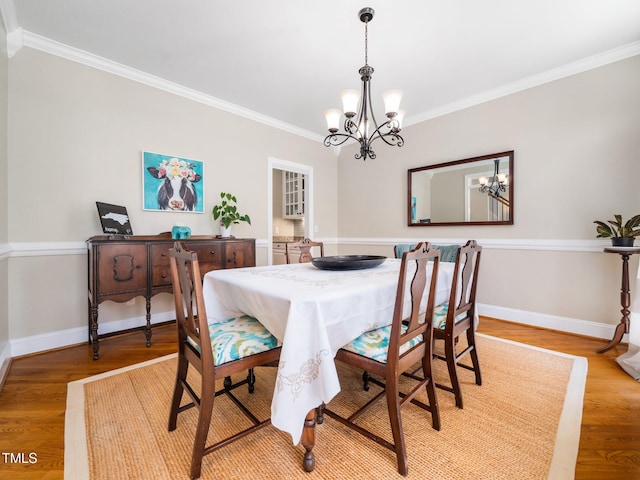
{"points": [[621, 234], [227, 212]]}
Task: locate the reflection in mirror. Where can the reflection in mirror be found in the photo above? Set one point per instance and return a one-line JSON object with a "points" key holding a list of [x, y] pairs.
{"points": [[474, 191]]}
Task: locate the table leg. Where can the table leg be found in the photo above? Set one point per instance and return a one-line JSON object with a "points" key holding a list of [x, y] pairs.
{"points": [[625, 301], [309, 441]]}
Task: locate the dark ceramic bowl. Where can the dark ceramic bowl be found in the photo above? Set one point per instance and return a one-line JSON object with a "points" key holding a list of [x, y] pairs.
{"points": [[348, 262]]}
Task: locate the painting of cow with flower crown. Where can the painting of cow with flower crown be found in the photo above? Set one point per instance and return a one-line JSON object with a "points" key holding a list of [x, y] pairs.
{"points": [[172, 184]]}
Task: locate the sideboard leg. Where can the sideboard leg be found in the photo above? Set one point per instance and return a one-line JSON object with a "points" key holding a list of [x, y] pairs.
{"points": [[93, 329], [147, 328]]}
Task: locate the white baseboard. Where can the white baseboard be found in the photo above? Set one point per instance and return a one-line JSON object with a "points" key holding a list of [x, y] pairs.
{"points": [[553, 322], [74, 336]]}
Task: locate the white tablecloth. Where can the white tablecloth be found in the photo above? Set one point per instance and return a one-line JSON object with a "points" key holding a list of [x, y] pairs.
{"points": [[313, 313]]}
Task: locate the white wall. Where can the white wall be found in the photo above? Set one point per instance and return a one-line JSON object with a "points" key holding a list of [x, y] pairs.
{"points": [[4, 208], [76, 136], [576, 143]]}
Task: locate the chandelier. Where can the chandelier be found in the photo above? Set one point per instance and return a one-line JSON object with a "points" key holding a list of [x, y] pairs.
{"points": [[495, 185], [360, 123]]}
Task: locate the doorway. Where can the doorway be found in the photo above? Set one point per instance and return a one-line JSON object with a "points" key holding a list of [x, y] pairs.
{"points": [[304, 178]]}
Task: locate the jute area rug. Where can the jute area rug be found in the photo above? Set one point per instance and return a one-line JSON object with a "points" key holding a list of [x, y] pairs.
{"points": [[522, 423]]}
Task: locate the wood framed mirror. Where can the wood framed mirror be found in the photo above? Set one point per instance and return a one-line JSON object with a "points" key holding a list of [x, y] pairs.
{"points": [[472, 191]]}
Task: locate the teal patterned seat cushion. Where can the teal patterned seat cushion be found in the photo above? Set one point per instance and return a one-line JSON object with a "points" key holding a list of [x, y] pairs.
{"points": [[440, 316], [237, 338], [374, 344]]}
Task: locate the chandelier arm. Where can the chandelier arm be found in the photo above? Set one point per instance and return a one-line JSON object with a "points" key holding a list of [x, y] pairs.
{"points": [[395, 137], [352, 128], [332, 140]]}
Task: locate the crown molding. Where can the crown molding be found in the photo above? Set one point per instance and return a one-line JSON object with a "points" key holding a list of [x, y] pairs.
{"points": [[80, 56], [9, 16], [13, 41], [589, 63], [17, 38]]}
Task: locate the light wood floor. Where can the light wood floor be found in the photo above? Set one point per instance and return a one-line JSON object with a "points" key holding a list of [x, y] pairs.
{"points": [[32, 402]]}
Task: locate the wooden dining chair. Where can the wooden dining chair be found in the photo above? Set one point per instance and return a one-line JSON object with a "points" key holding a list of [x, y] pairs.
{"points": [[304, 246], [215, 351], [390, 351], [458, 316]]}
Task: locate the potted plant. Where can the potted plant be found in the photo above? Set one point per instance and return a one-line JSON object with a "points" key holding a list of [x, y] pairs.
{"points": [[227, 212], [621, 234]]}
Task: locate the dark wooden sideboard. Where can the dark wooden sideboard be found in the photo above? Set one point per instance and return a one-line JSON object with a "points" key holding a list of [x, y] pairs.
{"points": [[127, 267]]}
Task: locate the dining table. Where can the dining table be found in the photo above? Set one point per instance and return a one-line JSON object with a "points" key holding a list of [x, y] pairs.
{"points": [[313, 312]]}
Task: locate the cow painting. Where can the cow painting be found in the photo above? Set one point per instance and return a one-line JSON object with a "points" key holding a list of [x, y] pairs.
{"points": [[176, 191]]}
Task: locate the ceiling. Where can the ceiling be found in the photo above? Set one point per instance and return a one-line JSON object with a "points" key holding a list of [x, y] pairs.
{"points": [[286, 61]]}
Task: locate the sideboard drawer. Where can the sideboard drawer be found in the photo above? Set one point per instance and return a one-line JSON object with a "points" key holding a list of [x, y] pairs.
{"points": [[161, 276], [208, 254], [121, 269], [160, 253]]}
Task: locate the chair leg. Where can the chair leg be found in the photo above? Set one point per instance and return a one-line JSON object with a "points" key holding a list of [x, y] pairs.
{"points": [[251, 380], [471, 339], [320, 414], [365, 381], [450, 353], [393, 403], [430, 386], [178, 390], [202, 430]]}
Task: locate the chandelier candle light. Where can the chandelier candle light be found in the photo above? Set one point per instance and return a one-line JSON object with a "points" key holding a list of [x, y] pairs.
{"points": [[360, 124]]}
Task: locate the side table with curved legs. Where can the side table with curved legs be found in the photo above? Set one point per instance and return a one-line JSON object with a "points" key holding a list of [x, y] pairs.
{"points": [[625, 296]]}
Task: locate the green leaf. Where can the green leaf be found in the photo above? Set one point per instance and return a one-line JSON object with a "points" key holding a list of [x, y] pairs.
{"points": [[603, 230], [633, 222]]}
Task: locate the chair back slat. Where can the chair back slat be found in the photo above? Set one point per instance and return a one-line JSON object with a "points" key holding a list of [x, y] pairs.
{"points": [[191, 316], [463, 291], [304, 247]]}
